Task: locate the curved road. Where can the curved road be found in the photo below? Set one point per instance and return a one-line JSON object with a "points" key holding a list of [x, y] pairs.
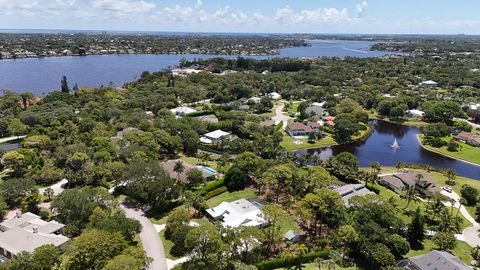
{"points": [[150, 239]]}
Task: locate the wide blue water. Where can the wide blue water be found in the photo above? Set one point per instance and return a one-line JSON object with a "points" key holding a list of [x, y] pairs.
{"points": [[42, 75]]}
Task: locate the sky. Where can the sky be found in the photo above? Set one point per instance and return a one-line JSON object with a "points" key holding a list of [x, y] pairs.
{"points": [[248, 16]]}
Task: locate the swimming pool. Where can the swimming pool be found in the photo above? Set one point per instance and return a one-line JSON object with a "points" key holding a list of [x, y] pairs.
{"points": [[209, 170]]}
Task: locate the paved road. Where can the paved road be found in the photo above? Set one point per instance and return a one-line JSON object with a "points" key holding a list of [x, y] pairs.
{"points": [[471, 123], [57, 188], [13, 138], [470, 234], [280, 117], [150, 238]]}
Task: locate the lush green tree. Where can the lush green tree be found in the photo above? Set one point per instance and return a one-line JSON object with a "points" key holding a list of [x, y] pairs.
{"points": [[75, 206], [236, 178], [14, 190], [131, 259], [443, 111], [195, 178], [93, 249], [206, 243], [274, 214], [348, 160], [278, 180], [445, 240], [15, 161], [398, 245], [148, 184], [470, 194], [416, 229], [437, 130], [345, 129], [179, 168], [114, 222]]}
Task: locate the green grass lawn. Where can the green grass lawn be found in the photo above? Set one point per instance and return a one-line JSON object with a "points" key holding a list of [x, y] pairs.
{"points": [[167, 245], [312, 266], [231, 196], [288, 144], [466, 152], [197, 161], [461, 250]]}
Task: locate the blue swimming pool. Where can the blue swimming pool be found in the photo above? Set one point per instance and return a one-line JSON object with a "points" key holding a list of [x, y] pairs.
{"points": [[209, 170]]}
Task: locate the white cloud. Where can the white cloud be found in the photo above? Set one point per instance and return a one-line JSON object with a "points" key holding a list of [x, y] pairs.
{"points": [[124, 6], [198, 4], [361, 7]]}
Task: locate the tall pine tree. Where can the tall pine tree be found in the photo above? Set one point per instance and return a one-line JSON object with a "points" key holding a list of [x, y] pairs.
{"points": [[416, 230]]}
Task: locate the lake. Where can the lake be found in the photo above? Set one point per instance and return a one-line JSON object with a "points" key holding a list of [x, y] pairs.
{"points": [[42, 75], [377, 148]]}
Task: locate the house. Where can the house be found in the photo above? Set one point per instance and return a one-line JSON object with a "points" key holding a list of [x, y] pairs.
{"points": [[292, 237], [416, 113], [468, 138], [329, 120], [316, 109], [216, 137], [296, 129], [184, 71], [254, 99], [169, 166], [121, 134], [351, 190], [429, 83], [274, 96], [434, 260], [26, 232], [182, 111], [238, 213], [403, 181], [208, 118]]}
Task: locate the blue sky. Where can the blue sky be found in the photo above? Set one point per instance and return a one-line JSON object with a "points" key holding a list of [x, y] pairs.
{"points": [[279, 16]]}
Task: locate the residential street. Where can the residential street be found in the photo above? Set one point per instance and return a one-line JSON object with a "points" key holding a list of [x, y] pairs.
{"points": [[470, 234], [280, 117], [150, 238]]}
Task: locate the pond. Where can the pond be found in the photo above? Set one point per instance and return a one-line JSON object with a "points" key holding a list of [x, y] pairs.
{"points": [[43, 75], [378, 147]]}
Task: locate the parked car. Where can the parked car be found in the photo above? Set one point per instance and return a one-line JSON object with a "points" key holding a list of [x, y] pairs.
{"points": [[448, 189]]}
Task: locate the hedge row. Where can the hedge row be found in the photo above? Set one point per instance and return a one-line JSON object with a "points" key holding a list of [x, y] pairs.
{"points": [[374, 189], [215, 192], [210, 186], [282, 262]]}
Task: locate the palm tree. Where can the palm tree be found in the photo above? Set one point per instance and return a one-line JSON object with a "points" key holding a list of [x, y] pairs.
{"points": [[375, 165], [178, 168], [462, 202], [411, 195], [205, 156], [451, 175], [49, 193], [398, 166]]}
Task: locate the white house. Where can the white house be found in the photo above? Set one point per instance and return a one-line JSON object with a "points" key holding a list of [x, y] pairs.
{"points": [[416, 113], [429, 83], [26, 232], [184, 71], [238, 213], [215, 136], [274, 95], [182, 111]]}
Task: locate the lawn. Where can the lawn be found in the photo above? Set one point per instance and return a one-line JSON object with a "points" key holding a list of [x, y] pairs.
{"points": [[231, 196], [197, 161], [467, 152], [313, 266], [461, 250], [167, 245], [288, 144]]}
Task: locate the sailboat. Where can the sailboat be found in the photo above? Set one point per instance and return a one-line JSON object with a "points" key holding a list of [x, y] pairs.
{"points": [[395, 144]]}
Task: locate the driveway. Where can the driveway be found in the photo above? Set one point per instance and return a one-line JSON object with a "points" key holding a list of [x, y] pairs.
{"points": [[57, 188], [280, 117], [150, 238], [470, 234]]}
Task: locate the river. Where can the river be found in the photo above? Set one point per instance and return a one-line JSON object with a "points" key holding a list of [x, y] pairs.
{"points": [[42, 75], [377, 148]]}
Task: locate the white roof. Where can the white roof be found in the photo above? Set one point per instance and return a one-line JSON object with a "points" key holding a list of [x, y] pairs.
{"points": [[183, 110], [429, 82], [216, 134], [416, 112], [274, 95], [27, 231], [238, 213], [319, 104]]}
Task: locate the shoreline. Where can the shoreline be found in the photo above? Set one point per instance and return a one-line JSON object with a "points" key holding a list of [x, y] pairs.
{"points": [[362, 138], [445, 155]]}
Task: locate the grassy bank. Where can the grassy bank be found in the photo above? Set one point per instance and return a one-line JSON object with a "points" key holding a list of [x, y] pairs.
{"points": [[466, 152], [328, 140]]}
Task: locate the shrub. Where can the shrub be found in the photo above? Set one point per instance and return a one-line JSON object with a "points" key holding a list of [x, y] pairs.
{"points": [[215, 192], [284, 262], [453, 146], [210, 186], [470, 194]]}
